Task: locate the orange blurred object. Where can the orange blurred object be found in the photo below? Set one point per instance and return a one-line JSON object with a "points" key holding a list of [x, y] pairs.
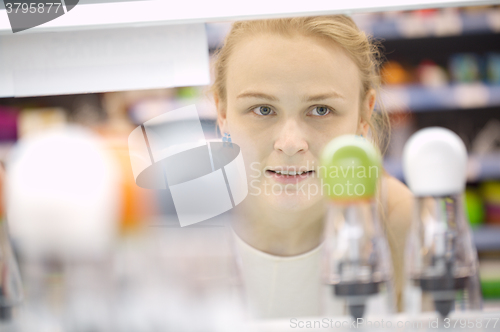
{"points": [[138, 204], [393, 73]]}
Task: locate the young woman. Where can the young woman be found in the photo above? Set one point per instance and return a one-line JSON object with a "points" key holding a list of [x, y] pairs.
{"points": [[283, 89]]}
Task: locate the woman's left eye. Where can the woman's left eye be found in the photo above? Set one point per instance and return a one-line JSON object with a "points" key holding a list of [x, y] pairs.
{"points": [[320, 110]]}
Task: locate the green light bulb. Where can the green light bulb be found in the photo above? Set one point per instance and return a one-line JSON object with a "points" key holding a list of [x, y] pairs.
{"points": [[350, 168]]}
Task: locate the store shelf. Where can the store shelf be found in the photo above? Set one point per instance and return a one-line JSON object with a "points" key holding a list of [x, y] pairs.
{"points": [[478, 168], [436, 24], [135, 13], [417, 98], [487, 238]]}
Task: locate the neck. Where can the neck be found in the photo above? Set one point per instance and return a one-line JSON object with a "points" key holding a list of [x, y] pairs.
{"points": [[277, 232]]}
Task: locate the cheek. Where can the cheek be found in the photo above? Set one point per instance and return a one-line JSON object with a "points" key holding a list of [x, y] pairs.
{"points": [[252, 148], [253, 144]]}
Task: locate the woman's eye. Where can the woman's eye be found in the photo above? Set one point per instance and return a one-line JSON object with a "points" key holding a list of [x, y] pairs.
{"points": [[262, 110], [320, 110]]}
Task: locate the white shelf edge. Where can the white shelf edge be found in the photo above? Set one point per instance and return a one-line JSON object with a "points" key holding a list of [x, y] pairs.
{"points": [[157, 12]]}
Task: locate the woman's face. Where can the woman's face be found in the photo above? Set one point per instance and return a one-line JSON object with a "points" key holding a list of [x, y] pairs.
{"points": [[286, 99]]}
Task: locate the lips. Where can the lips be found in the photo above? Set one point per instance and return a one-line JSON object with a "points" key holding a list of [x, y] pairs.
{"points": [[289, 177], [290, 173]]}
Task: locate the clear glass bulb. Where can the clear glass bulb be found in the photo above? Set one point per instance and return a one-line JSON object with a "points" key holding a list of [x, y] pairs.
{"points": [[441, 258], [356, 259]]}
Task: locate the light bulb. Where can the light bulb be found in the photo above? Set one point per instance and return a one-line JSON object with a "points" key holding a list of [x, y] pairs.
{"points": [[441, 258], [356, 260], [62, 195]]}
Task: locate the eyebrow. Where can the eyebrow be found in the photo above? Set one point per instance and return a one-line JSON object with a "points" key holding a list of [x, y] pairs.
{"points": [[324, 96], [257, 95], [313, 98]]}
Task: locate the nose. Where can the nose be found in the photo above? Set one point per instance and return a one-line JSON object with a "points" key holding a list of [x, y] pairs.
{"points": [[290, 139]]}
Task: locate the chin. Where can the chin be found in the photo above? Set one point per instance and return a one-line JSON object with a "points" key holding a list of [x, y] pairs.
{"points": [[288, 204], [289, 200]]}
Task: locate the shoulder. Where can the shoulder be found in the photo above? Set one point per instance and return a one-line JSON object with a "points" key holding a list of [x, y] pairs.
{"points": [[398, 220], [399, 206], [399, 197]]}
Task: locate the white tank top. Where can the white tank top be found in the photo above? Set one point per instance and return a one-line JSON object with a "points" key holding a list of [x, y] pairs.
{"points": [[282, 287]]}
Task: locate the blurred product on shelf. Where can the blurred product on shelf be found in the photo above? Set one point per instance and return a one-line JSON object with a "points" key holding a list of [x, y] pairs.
{"points": [[35, 120], [474, 207], [430, 74], [116, 105], [413, 24], [393, 73], [431, 22], [464, 68], [487, 140], [489, 270], [62, 193], [148, 108], [490, 191], [138, 204], [62, 206], [87, 111], [187, 92], [493, 68], [2, 190], [8, 123]]}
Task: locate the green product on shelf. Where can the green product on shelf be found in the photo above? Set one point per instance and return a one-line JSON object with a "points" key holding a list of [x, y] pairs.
{"points": [[187, 92], [490, 288], [489, 271], [350, 168], [474, 207]]}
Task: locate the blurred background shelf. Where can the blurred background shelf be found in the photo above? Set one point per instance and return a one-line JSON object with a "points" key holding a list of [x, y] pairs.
{"points": [[448, 22], [480, 168], [418, 98], [487, 237]]}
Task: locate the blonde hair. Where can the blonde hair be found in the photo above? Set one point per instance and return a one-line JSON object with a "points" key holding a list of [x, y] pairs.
{"points": [[339, 29]]}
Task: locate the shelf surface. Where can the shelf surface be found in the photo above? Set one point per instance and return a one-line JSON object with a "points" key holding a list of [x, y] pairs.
{"points": [[487, 237], [479, 167], [417, 98]]}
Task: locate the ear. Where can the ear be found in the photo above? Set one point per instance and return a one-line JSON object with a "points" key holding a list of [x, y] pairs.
{"points": [[221, 114], [366, 112]]}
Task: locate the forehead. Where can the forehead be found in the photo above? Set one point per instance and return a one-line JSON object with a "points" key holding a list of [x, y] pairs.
{"points": [[270, 61]]}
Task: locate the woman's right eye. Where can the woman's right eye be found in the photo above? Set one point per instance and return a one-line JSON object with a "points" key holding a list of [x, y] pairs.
{"points": [[263, 110]]}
